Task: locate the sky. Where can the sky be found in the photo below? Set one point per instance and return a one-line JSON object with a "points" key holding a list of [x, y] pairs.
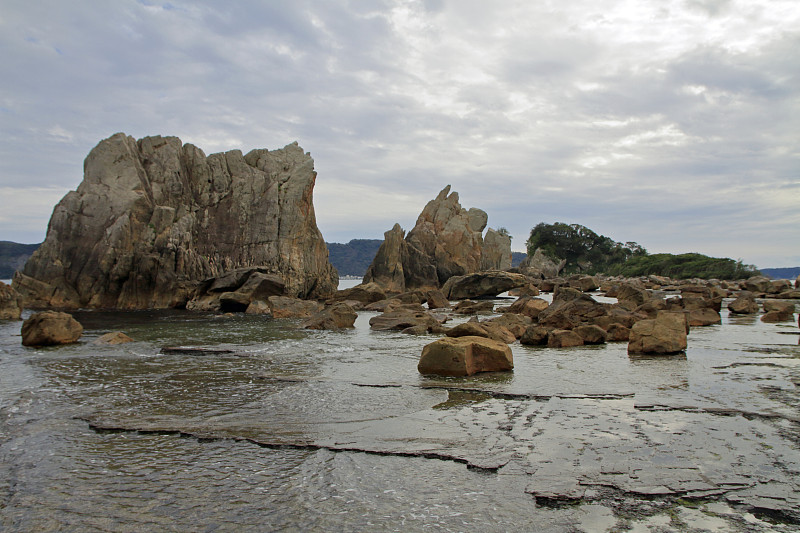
{"points": [[671, 123]]}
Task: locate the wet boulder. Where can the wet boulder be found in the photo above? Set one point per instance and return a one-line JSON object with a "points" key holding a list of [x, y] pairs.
{"points": [[436, 299], [112, 339], [778, 311], [703, 317], [757, 284], [49, 328], [585, 283], [335, 316], [405, 316], [468, 307], [285, 307], [482, 284], [482, 329], [665, 334], [617, 332], [516, 324], [465, 356], [526, 290], [534, 336], [591, 334], [631, 294], [571, 308], [745, 304], [563, 338], [366, 293], [10, 303], [528, 306]]}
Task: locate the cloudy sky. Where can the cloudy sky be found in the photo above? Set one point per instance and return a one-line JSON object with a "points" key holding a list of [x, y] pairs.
{"points": [[672, 123]]}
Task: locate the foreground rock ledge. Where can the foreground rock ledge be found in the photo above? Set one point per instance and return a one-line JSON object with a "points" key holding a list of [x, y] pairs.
{"points": [[465, 356]]}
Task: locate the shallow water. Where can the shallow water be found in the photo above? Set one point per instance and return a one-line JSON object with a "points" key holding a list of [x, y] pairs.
{"points": [[314, 431]]}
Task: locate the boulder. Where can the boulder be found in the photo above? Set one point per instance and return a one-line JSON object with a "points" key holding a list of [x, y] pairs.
{"points": [[535, 335], [528, 306], [563, 338], [465, 356], [631, 294], [665, 334], [525, 291], [113, 338], [571, 308], [406, 316], [446, 241], [591, 334], [49, 328], [335, 316], [366, 293], [703, 317], [10, 303], [286, 307], [617, 333], [482, 284], [482, 329], [777, 316], [436, 299], [757, 284], [585, 283], [745, 304], [783, 307], [259, 307], [468, 307], [153, 218], [516, 324], [540, 266]]}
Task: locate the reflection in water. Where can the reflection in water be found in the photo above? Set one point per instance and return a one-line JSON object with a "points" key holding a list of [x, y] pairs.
{"points": [[319, 430]]}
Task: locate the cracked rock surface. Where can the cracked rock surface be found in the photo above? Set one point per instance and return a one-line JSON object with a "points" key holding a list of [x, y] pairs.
{"points": [[259, 424]]}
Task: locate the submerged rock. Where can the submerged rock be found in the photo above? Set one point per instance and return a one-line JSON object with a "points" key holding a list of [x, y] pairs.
{"points": [[49, 328], [113, 338], [465, 356], [745, 304], [336, 316], [285, 307], [153, 218]]}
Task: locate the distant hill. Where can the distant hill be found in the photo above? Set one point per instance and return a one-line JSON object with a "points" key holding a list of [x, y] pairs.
{"points": [[353, 258], [517, 257], [13, 257], [781, 273]]}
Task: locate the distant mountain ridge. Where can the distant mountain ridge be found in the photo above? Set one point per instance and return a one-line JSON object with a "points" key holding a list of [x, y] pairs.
{"points": [[781, 273], [13, 257]]}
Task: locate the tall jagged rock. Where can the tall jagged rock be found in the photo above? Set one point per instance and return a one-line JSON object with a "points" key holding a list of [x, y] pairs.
{"points": [[446, 241], [154, 217]]}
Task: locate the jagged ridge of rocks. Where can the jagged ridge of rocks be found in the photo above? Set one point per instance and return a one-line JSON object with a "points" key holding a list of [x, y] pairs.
{"points": [[154, 217]]}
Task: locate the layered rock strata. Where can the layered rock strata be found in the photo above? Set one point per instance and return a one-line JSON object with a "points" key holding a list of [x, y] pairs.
{"points": [[154, 217]]}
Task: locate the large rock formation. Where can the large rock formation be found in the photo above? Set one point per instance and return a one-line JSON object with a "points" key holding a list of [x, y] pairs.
{"points": [[446, 241], [10, 303], [154, 217]]}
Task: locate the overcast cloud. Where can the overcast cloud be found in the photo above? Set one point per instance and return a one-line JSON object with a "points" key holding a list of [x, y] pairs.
{"points": [[675, 124]]}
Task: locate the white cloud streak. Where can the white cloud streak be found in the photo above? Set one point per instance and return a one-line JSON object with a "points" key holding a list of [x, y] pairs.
{"points": [[670, 123]]}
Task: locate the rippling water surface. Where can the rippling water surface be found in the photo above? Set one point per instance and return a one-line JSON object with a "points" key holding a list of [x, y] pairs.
{"points": [[316, 431]]}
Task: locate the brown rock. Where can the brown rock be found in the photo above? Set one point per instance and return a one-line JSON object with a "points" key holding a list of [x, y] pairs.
{"points": [[468, 307], [154, 217], [745, 304], [665, 334], [366, 293], [526, 290], [10, 303], [404, 317], [516, 324], [496, 251], [571, 308], [336, 316], [113, 338], [482, 284], [783, 307], [528, 306], [591, 334], [535, 335], [259, 307], [563, 338], [618, 333], [777, 316], [703, 317], [465, 356], [436, 299], [285, 307], [49, 328]]}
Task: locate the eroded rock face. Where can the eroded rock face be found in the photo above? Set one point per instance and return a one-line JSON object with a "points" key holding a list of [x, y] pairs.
{"points": [[10, 303], [50, 328], [154, 217], [446, 241]]}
